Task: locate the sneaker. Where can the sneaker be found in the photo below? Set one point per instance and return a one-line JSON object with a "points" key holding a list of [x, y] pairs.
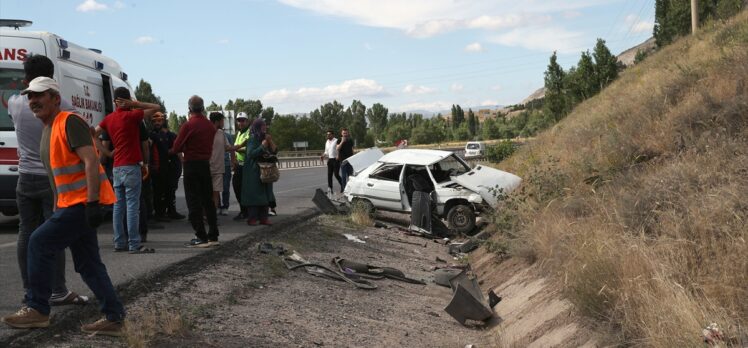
{"points": [[104, 327], [26, 318], [224, 212], [214, 243], [198, 243], [176, 216], [329, 193], [272, 212]]}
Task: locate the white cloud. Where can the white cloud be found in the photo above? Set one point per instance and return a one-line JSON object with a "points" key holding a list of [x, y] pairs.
{"points": [[456, 87], [428, 106], [347, 89], [91, 6], [496, 88], [119, 5], [413, 89], [223, 41], [92, 33], [427, 18], [636, 25], [542, 39], [474, 47], [571, 14], [144, 40], [368, 47]]}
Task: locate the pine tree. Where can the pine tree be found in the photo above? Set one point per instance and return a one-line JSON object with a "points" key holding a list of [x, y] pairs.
{"points": [[472, 123], [555, 98], [606, 64]]}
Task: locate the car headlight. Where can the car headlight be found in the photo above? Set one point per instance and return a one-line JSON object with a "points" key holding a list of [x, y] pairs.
{"points": [[475, 198]]}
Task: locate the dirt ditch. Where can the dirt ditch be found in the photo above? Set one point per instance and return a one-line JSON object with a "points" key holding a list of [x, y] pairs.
{"points": [[248, 299]]}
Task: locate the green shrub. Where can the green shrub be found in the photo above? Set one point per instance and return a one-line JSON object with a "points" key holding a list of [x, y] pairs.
{"points": [[500, 151]]}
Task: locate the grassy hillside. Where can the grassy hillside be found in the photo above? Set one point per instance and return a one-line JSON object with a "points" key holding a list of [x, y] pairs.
{"points": [[638, 201]]}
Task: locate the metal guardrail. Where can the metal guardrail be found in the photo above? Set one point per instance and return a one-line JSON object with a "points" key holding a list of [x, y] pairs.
{"points": [[315, 161]]}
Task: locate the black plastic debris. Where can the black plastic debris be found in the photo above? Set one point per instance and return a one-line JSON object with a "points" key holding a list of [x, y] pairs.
{"points": [[468, 303], [325, 205]]}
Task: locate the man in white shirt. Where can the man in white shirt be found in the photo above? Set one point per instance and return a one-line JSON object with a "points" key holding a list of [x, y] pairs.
{"points": [[333, 166]]}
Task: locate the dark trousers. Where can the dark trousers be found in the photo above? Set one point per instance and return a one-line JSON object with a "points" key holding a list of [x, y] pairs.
{"points": [[35, 199], [237, 183], [333, 166], [67, 228], [164, 188], [345, 171], [198, 191]]}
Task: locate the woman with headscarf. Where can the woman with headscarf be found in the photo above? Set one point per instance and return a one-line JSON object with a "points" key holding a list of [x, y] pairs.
{"points": [[255, 194]]}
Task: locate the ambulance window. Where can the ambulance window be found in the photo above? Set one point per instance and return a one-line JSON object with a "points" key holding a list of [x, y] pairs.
{"points": [[11, 82]]}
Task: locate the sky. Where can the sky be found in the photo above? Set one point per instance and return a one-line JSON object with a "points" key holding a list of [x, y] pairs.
{"points": [[295, 55]]}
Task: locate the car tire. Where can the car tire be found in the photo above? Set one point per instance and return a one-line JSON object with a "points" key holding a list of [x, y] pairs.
{"points": [[461, 219]]}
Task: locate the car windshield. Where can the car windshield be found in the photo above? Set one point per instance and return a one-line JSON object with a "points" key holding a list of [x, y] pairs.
{"points": [[450, 166], [11, 82], [473, 146]]}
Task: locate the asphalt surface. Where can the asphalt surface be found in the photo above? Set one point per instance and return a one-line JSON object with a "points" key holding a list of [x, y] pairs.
{"points": [[293, 193]]}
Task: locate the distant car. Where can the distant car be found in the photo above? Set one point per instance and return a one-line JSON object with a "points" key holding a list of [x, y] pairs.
{"points": [[475, 149], [459, 192]]}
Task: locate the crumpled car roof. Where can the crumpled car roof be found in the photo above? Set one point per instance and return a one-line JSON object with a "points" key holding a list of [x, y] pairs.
{"points": [[415, 156]]}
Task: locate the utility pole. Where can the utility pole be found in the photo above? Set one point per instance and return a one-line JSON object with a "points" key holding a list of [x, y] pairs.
{"points": [[694, 16]]}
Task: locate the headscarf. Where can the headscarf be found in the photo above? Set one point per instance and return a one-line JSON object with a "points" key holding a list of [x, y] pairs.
{"points": [[257, 129]]}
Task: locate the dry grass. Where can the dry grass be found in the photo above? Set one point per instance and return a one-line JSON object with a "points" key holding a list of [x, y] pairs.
{"points": [[361, 214], [143, 327], [637, 201]]}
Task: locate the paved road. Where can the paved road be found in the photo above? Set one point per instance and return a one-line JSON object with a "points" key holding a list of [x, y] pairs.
{"points": [[293, 193]]}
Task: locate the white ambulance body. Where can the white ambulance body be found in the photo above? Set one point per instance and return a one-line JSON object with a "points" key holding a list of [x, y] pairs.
{"points": [[87, 79]]}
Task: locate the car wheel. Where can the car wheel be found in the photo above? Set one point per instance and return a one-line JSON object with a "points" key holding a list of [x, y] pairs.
{"points": [[461, 219]]}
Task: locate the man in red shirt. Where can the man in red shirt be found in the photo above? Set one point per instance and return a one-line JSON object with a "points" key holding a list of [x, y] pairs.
{"points": [[123, 128], [195, 140]]}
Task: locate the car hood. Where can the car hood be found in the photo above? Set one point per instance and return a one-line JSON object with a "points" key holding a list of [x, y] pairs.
{"points": [[364, 159], [485, 180]]}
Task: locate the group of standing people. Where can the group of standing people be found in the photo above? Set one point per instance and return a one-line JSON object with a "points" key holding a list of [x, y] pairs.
{"points": [[70, 172], [336, 152]]}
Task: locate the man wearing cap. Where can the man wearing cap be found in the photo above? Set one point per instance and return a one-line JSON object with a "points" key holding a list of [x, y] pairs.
{"points": [[123, 128], [240, 143], [166, 175], [80, 186], [33, 193]]}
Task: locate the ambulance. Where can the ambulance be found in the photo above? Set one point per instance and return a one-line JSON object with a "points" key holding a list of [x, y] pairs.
{"points": [[87, 79]]}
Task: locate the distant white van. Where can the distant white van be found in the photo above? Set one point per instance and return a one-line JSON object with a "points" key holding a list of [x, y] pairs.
{"points": [[475, 149], [86, 77]]}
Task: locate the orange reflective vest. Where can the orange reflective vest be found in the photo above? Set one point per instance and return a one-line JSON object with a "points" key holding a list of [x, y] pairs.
{"points": [[69, 171]]}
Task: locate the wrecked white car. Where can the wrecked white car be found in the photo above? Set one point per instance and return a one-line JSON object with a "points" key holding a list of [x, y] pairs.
{"points": [[459, 192]]}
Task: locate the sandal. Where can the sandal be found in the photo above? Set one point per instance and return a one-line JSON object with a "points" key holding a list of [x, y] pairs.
{"points": [[71, 299], [142, 250]]}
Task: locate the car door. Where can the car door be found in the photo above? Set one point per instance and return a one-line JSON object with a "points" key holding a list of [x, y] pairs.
{"points": [[383, 187]]}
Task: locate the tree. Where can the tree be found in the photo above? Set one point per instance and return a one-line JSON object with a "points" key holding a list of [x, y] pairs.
{"points": [[606, 64], [555, 98], [427, 132], [398, 131], [144, 93], [254, 108], [472, 123], [357, 122], [230, 105], [267, 114], [329, 116], [173, 120], [377, 116], [673, 17], [458, 116], [640, 56], [213, 107]]}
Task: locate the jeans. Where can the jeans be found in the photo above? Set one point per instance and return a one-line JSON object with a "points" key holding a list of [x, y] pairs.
{"points": [[67, 228], [127, 186], [198, 192], [333, 166], [35, 199], [226, 194], [345, 171]]}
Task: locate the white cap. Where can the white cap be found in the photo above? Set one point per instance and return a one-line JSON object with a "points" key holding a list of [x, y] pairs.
{"points": [[41, 84], [242, 115]]}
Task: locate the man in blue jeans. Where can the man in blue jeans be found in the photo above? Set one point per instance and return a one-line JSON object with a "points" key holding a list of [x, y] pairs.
{"points": [[345, 150], [79, 185], [123, 128]]}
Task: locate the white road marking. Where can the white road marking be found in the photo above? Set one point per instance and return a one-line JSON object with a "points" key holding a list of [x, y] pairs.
{"points": [[8, 244]]}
